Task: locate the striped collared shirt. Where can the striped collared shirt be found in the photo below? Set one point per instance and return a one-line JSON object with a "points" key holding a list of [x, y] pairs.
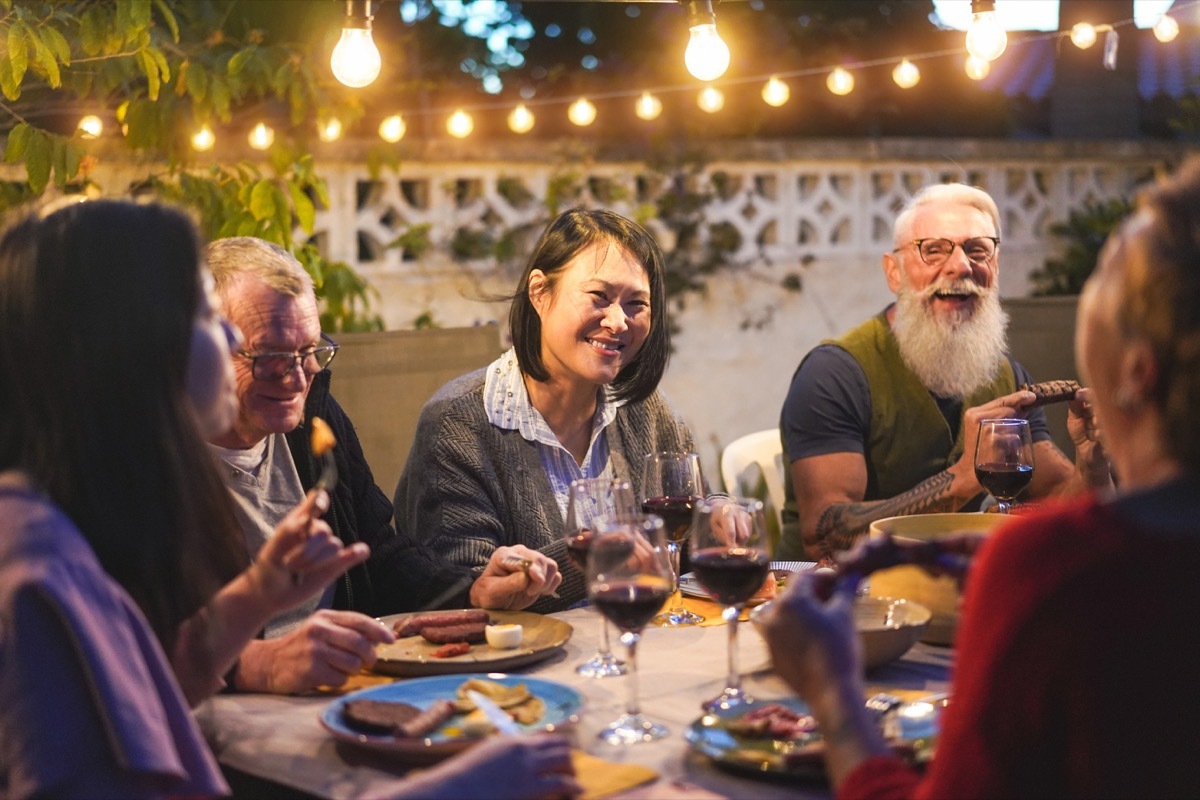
{"points": [[506, 403]]}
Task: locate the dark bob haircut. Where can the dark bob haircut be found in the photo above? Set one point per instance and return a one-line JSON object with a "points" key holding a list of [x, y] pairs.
{"points": [[567, 236]]}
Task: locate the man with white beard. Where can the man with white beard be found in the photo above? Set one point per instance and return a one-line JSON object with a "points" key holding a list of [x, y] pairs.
{"points": [[883, 421]]}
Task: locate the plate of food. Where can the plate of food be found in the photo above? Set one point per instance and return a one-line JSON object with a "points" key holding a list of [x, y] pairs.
{"points": [[780, 572], [428, 719], [780, 737], [468, 640]]}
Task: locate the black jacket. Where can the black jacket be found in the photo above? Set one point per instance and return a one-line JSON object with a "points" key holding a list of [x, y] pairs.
{"points": [[358, 512]]}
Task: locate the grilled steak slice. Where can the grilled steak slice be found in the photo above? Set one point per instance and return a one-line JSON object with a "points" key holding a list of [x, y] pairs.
{"points": [[398, 719]]}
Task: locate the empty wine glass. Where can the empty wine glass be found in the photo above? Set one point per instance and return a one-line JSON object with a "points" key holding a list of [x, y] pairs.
{"points": [[589, 501], [629, 579], [671, 486], [731, 557], [1004, 459]]}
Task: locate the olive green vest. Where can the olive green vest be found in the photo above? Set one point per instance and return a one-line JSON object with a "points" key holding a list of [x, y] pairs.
{"points": [[909, 439]]}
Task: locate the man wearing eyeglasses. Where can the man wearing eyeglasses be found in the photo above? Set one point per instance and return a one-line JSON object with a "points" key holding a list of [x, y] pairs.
{"points": [[883, 421]]}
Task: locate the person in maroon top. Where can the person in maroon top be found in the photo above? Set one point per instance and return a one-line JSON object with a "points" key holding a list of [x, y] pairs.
{"points": [[1075, 671]]}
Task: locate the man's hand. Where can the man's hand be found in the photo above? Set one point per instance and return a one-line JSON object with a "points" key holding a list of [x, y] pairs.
{"points": [[509, 586], [1016, 405], [324, 650]]}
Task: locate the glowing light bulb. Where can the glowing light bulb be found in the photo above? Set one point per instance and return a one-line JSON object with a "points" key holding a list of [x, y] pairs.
{"points": [[840, 81], [330, 130], [392, 128], [261, 136], [648, 106], [91, 126], [460, 124], [203, 139], [355, 60], [520, 119], [582, 112], [711, 100], [1083, 35], [906, 75], [1166, 29], [706, 56], [775, 92], [977, 69], [986, 38]]}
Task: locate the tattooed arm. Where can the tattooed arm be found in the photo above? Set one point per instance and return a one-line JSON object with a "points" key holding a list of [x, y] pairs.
{"points": [[833, 514]]}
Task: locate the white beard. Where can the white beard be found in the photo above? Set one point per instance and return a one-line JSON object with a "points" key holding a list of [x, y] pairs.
{"points": [[951, 355]]}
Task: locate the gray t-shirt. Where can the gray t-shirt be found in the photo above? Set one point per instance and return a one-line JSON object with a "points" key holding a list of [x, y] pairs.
{"points": [[265, 487]]}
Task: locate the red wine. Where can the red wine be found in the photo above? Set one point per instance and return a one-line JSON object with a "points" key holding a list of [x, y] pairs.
{"points": [[630, 604], [1004, 481], [676, 513], [731, 574], [578, 547]]}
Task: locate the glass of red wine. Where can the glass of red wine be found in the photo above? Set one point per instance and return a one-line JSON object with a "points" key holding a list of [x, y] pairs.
{"points": [[731, 556], [671, 487], [590, 501], [1004, 459], [629, 580]]}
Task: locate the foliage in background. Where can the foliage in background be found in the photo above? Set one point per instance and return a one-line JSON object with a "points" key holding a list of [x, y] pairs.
{"points": [[1084, 231], [158, 70]]}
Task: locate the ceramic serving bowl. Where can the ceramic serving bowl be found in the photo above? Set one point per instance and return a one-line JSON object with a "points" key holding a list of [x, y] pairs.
{"points": [[887, 627], [940, 595]]}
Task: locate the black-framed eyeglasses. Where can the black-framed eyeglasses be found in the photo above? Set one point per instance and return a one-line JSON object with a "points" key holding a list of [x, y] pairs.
{"points": [[277, 366], [978, 250]]}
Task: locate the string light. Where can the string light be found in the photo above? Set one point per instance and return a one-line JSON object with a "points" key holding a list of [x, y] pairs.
{"points": [[707, 55], [986, 38], [330, 130], [906, 75], [840, 81], [775, 92], [355, 60], [520, 120], [977, 68], [460, 124], [261, 136], [1083, 35], [203, 139], [91, 126], [582, 112], [711, 99], [1166, 29], [647, 107], [392, 128]]}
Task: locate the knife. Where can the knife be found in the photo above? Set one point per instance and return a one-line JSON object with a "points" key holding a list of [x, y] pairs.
{"points": [[495, 714]]}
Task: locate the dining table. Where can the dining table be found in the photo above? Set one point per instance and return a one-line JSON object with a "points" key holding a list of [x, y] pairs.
{"points": [[278, 745]]}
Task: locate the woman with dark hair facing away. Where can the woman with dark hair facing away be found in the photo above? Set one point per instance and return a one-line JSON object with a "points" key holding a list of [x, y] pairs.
{"points": [[576, 397], [118, 544], [1074, 673]]}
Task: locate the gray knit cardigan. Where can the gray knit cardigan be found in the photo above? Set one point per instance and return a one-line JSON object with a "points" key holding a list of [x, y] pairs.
{"points": [[470, 487]]}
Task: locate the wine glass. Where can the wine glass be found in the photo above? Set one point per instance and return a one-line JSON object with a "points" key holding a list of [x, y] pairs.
{"points": [[629, 580], [590, 500], [1004, 459], [671, 486], [730, 558]]}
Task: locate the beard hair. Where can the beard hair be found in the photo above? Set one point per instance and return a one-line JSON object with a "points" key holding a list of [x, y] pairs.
{"points": [[955, 354]]}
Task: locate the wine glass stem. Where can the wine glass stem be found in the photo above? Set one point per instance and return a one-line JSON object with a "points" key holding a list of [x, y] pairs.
{"points": [[734, 681], [632, 705], [673, 552], [605, 649]]}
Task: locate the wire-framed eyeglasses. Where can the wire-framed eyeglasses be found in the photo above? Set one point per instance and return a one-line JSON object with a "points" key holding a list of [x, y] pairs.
{"points": [[979, 250], [277, 366]]}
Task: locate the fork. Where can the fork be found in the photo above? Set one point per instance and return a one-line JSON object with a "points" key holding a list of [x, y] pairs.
{"points": [[329, 474], [523, 564]]}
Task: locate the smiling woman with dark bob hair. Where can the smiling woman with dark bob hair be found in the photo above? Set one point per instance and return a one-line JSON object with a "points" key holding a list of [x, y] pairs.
{"points": [[576, 397]]}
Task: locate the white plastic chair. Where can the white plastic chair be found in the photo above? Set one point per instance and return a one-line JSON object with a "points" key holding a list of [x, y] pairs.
{"points": [[752, 466]]}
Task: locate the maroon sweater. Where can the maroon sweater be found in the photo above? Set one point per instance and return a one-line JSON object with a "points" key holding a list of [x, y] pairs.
{"points": [[1078, 666]]}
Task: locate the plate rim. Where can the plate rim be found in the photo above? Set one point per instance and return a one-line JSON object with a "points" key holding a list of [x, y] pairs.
{"points": [[424, 749]]}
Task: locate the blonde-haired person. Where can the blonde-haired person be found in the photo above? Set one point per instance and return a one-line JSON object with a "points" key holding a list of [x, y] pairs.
{"points": [[1072, 674]]}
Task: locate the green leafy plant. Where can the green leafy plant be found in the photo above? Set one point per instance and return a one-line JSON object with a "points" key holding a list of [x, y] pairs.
{"points": [[1085, 231]]}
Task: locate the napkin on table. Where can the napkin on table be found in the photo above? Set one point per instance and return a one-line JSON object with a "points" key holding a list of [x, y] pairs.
{"points": [[601, 778]]}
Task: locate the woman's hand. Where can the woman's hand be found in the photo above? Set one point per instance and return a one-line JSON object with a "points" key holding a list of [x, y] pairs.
{"points": [[501, 767], [508, 584], [1083, 425], [301, 558]]}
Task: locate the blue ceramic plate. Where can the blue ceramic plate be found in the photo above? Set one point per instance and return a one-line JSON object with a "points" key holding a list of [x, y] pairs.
{"points": [[563, 706]]}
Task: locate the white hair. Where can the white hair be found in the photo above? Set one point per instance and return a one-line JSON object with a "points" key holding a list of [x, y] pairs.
{"points": [[943, 194]]}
